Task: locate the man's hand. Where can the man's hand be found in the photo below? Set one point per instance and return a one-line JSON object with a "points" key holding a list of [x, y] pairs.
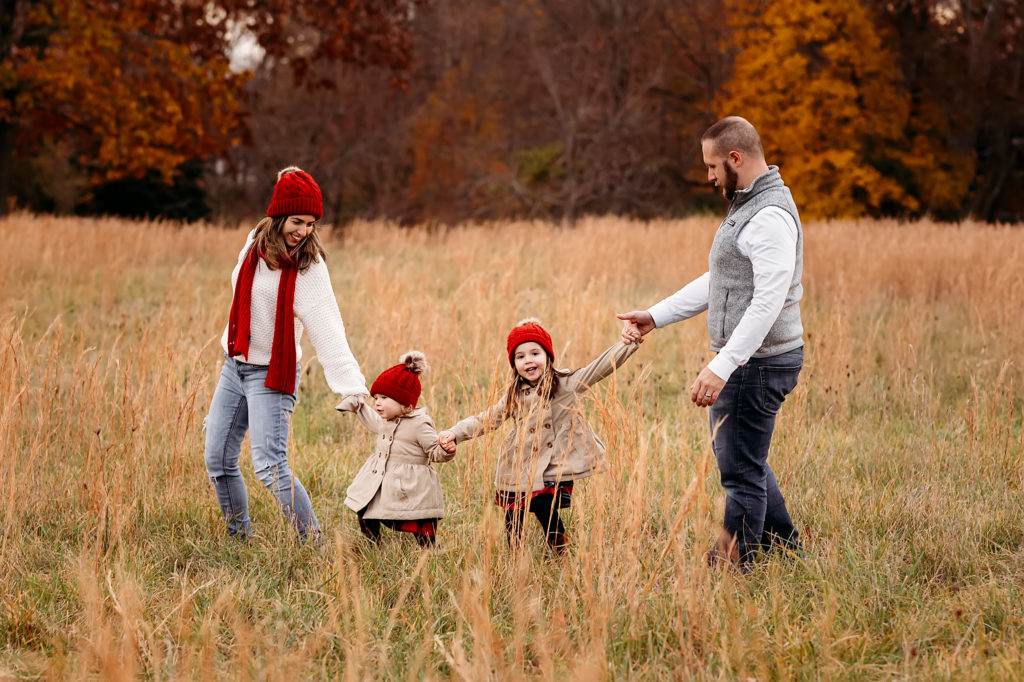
{"points": [[635, 325], [446, 439], [706, 388]]}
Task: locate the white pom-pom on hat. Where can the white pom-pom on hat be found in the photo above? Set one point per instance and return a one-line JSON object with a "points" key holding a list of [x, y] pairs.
{"points": [[529, 320], [286, 171], [415, 361]]}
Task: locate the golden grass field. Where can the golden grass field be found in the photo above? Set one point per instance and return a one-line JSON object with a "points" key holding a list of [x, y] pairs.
{"points": [[900, 454]]}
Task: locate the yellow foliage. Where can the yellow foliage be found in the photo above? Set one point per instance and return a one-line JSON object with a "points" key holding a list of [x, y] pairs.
{"points": [[819, 84]]}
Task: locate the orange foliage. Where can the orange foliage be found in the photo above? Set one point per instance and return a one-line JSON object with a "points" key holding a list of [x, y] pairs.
{"points": [[454, 137], [127, 97], [819, 84], [941, 173]]}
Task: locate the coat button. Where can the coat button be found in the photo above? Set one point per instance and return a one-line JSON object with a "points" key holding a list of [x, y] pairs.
{"points": [[532, 430], [374, 471], [550, 445], [547, 426]]}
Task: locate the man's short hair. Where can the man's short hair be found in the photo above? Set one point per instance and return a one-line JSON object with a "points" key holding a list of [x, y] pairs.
{"points": [[734, 133]]}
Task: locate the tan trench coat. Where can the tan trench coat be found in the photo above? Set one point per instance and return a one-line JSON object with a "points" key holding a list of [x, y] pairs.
{"points": [[552, 444], [397, 481]]}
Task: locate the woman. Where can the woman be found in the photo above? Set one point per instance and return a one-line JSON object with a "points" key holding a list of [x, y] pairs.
{"points": [[281, 285]]}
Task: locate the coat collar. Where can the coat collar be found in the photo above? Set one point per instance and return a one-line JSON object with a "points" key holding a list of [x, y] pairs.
{"points": [[418, 412]]}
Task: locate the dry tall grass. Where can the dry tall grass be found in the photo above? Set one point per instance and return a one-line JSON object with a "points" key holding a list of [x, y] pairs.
{"points": [[901, 453]]}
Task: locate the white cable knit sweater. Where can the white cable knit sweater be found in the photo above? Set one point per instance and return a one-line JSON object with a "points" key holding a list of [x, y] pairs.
{"points": [[316, 309]]}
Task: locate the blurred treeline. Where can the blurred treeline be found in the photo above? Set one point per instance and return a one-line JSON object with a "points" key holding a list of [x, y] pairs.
{"points": [[444, 111]]}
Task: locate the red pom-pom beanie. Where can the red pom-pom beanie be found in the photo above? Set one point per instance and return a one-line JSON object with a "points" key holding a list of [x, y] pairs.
{"points": [[528, 330], [401, 382], [296, 193]]}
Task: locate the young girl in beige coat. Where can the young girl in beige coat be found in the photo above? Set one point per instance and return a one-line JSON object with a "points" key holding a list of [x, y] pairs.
{"points": [[397, 487], [551, 445]]}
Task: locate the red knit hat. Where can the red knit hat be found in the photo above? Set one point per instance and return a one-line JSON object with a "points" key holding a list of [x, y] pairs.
{"points": [[296, 193], [401, 382], [528, 330]]}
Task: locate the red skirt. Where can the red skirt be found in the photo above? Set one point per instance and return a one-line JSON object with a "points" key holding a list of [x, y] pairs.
{"points": [[419, 526]]}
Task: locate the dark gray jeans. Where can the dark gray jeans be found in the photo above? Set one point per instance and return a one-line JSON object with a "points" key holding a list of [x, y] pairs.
{"points": [[755, 511]]}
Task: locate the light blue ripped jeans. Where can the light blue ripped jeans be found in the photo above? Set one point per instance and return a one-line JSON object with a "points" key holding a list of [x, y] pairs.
{"points": [[242, 403]]}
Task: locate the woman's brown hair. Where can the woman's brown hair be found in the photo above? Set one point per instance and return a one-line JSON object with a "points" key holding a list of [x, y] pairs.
{"points": [[269, 243]]}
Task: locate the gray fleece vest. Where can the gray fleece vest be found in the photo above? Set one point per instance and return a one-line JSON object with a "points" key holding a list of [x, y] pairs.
{"points": [[732, 275]]}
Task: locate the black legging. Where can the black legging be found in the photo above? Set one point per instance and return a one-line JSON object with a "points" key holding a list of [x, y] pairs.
{"points": [[371, 528], [545, 508]]}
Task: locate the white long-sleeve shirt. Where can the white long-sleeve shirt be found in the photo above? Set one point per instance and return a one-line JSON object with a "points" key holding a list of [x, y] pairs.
{"points": [[769, 241], [316, 310]]}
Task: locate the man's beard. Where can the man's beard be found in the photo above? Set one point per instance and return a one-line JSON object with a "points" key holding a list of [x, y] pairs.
{"points": [[731, 178]]}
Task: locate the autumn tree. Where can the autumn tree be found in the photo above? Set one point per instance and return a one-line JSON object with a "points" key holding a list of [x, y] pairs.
{"points": [[599, 65], [552, 110], [702, 48], [460, 126], [823, 89], [121, 94], [132, 87], [325, 93], [964, 62]]}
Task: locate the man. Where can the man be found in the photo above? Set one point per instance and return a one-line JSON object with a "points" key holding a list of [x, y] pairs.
{"points": [[751, 292]]}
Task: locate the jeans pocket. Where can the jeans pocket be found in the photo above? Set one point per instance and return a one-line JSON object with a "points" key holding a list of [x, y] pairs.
{"points": [[776, 383]]}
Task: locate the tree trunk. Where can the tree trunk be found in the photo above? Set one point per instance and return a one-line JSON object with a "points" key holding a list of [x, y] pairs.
{"points": [[8, 131], [1001, 157]]}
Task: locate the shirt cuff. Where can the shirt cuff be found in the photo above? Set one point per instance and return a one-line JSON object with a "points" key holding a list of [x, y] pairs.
{"points": [[661, 314], [722, 367]]}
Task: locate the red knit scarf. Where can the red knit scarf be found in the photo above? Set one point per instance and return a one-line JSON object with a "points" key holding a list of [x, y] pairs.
{"points": [[281, 374]]}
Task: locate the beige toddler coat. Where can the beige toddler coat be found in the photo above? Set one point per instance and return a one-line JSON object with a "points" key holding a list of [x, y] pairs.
{"points": [[551, 442], [397, 481]]}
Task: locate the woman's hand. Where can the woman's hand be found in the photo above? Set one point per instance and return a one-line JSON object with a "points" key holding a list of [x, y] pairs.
{"points": [[446, 439]]}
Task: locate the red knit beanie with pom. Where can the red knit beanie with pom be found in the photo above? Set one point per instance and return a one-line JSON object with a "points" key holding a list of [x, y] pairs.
{"points": [[401, 382], [528, 330], [296, 193]]}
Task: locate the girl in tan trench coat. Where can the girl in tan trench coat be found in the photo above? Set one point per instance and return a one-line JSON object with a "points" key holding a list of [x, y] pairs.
{"points": [[397, 487], [552, 444]]}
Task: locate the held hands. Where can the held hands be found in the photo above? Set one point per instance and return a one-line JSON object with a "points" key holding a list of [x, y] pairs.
{"points": [[635, 325], [446, 439], [706, 388], [349, 403]]}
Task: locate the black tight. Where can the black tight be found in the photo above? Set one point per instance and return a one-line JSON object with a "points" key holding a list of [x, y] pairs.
{"points": [[371, 529], [545, 508]]}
